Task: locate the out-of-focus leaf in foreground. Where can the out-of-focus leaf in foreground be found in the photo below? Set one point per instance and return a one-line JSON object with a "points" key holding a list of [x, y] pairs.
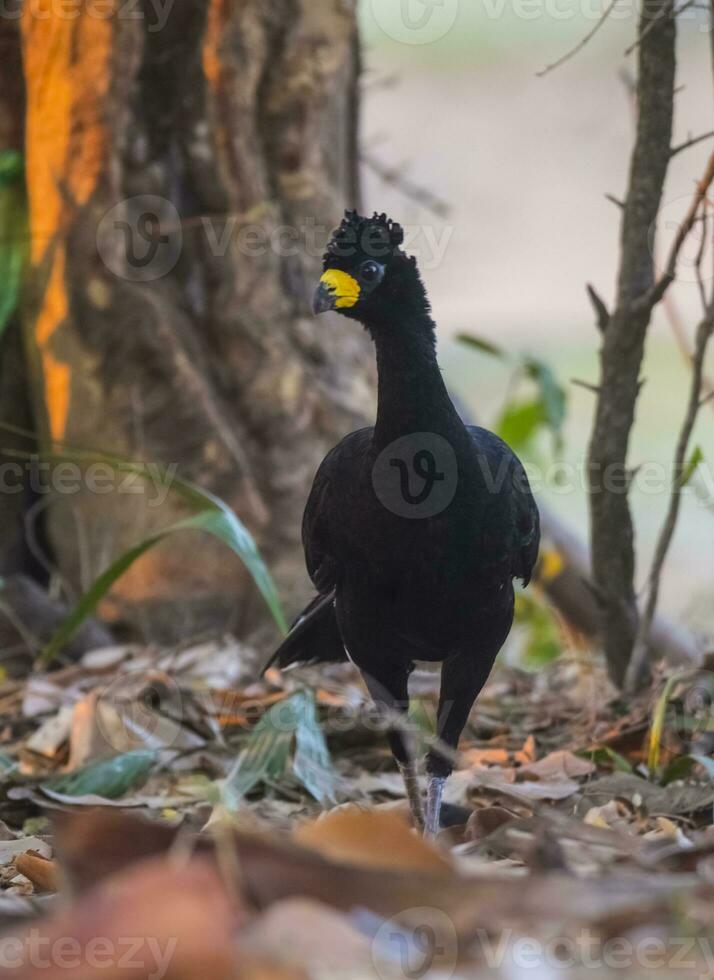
{"points": [[267, 752], [110, 778]]}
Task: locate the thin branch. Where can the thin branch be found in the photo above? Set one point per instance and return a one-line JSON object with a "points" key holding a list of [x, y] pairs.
{"points": [[594, 389], [581, 44], [692, 141], [700, 256], [601, 311], [641, 646], [615, 200], [674, 318], [414, 192], [656, 293]]}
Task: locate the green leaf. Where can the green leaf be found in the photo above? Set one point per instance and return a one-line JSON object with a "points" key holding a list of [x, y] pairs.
{"points": [[110, 778], [679, 768], [213, 516], [690, 467], [552, 394], [266, 754], [12, 167], [605, 756], [13, 233], [421, 719], [312, 764], [543, 638], [519, 422], [481, 344]]}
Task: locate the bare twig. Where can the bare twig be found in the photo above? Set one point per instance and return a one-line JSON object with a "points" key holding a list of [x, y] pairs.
{"points": [[700, 256], [394, 177], [601, 311], [674, 319], [587, 385], [615, 200], [639, 652], [692, 141], [581, 44], [658, 290]]}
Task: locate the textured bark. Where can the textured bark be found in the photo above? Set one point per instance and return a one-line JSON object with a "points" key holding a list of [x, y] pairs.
{"points": [[242, 116], [612, 532]]}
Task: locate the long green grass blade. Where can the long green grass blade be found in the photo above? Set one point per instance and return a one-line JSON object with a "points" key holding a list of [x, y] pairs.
{"points": [[212, 516], [654, 751]]}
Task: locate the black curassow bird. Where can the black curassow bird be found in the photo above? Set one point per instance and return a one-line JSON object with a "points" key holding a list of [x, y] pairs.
{"points": [[414, 529]]}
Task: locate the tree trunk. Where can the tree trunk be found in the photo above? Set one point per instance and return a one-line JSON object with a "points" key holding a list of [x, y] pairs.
{"points": [[612, 531], [183, 178]]}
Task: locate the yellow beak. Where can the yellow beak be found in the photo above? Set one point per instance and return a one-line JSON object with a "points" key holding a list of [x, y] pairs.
{"points": [[336, 290]]}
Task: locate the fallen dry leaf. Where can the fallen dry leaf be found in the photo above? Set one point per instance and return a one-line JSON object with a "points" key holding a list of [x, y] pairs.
{"points": [[504, 781], [486, 757], [370, 839], [485, 820], [556, 765], [181, 921], [41, 871]]}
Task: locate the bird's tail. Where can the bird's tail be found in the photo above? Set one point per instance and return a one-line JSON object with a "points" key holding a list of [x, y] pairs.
{"points": [[313, 638]]}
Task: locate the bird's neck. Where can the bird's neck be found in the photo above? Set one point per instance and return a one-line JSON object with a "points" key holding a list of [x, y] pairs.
{"points": [[412, 396]]}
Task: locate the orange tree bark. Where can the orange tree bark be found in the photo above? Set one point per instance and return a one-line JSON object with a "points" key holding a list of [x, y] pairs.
{"points": [[182, 178]]}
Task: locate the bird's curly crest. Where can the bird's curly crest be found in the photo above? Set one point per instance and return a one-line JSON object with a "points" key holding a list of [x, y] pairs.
{"points": [[376, 237]]}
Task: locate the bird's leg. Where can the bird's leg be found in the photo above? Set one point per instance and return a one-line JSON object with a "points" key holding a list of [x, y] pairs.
{"points": [[390, 693], [410, 775], [462, 678], [434, 793]]}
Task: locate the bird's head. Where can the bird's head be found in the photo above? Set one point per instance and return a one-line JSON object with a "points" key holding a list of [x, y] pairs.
{"points": [[368, 277]]}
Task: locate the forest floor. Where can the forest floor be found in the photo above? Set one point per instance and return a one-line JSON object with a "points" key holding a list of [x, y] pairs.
{"points": [[275, 840]]}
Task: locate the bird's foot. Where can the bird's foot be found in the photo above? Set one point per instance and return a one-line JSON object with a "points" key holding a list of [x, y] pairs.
{"points": [[410, 775], [435, 791]]}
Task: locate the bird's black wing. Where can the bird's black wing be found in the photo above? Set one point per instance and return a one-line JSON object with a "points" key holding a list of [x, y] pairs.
{"points": [[324, 511], [516, 521], [314, 637]]}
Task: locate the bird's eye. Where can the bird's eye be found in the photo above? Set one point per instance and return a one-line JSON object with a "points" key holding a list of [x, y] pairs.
{"points": [[369, 271]]}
